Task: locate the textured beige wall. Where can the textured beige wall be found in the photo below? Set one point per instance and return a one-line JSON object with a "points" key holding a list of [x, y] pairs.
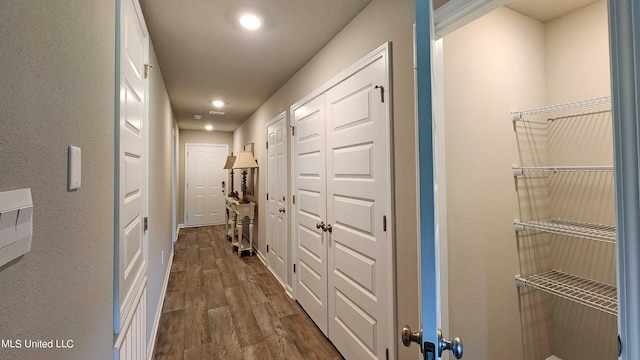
{"points": [[198, 137], [57, 89], [161, 123], [379, 22], [577, 51], [492, 66]]}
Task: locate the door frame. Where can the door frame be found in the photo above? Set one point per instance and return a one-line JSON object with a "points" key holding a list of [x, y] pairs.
{"points": [[286, 282], [384, 50], [186, 176], [624, 22]]}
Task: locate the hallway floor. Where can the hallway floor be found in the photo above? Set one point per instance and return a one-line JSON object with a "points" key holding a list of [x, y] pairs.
{"points": [[219, 306]]}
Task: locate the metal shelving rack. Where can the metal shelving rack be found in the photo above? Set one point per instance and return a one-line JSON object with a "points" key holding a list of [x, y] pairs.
{"points": [[588, 292], [524, 170], [563, 111], [594, 294], [584, 230]]}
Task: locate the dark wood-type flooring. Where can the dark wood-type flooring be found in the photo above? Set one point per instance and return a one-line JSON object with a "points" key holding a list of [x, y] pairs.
{"points": [[219, 306]]}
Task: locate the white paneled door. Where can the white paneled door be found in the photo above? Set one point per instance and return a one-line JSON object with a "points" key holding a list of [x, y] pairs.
{"points": [[311, 192], [343, 211], [131, 167], [277, 254], [204, 200]]}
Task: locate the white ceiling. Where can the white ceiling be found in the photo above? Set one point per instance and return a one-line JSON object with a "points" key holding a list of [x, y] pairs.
{"points": [[547, 10], [205, 55]]}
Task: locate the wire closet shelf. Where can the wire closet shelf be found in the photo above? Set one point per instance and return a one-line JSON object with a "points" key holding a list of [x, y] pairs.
{"points": [[580, 229], [567, 110], [594, 294], [524, 170]]}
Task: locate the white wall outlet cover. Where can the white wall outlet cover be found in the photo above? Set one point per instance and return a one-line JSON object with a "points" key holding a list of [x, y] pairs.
{"points": [[74, 168]]}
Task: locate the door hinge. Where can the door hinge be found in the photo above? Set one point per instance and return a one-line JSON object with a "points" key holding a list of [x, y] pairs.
{"points": [[146, 223], [267, 143], [146, 70], [267, 196], [294, 268], [267, 248], [293, 130], [381, 92], [294, 199], [384, 223]]}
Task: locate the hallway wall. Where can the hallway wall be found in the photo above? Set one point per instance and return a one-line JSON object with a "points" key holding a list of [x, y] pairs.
{"points": [[379, 22], [57, 71], [161, 123]]}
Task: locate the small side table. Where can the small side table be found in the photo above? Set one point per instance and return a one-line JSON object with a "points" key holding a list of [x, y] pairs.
{"points": [[237, 212]]}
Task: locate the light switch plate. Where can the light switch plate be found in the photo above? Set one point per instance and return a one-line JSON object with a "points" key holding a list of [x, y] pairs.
{"points": [[74, 168]]}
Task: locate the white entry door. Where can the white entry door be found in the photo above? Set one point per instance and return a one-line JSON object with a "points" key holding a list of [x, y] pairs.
{"points": [[343, 215], [277, 244], [204, 200], [131, 163]]}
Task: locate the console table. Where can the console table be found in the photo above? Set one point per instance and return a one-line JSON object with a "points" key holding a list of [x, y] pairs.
{"points": [[235, 215]]}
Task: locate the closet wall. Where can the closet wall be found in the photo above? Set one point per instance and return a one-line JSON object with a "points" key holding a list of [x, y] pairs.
{"points": [[502, 62]]}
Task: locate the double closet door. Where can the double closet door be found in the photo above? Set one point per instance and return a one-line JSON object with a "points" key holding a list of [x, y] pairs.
{"points": [[343, 247]]}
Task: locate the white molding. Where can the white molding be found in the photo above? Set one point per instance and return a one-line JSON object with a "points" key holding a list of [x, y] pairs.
{"points": [[156, 320], [457, 13], [260, 255], [624, 24], [553, 357]]}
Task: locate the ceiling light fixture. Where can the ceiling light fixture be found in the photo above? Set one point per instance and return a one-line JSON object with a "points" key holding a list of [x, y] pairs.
{"points": [[208, 127], [218, 103], [250, 21], [197, 117]]}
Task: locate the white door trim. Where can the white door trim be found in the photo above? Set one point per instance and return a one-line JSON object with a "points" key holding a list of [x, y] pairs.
{"points": [[385, 51], [186, 175]]}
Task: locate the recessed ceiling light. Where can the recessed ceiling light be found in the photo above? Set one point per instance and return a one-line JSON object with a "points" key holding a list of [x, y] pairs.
{"points": [[218, 103], [197, 117], [208, 127], [250, 21]]}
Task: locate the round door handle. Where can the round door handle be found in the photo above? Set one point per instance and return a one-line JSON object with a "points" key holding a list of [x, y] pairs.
{"points": [[455, 345], [328, 228], [408, 337], [282, 210], [320, 225]]}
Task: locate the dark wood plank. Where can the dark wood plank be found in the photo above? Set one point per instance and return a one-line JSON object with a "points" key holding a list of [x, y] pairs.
{"points": [[244, 321], [227, 275], [214, 289], [282, 348], [207, 258], [174, 300], [305, 338], [197, 330], [282, 304], [202, 352], [170, 341], [269, 322], [256, 352], [177, 281], [203, 239], [223, 334]]}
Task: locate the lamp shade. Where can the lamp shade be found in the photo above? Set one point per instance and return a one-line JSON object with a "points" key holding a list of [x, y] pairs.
{"points": [[229, 164], [245, 160]]}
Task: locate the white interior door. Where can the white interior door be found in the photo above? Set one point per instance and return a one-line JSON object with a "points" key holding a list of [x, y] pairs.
{"points": [[310, 285], [277, 254], [130, 259], [205, 173], [358, 205]]}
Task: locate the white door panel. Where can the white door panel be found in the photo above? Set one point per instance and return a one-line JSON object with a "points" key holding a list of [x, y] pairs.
{"points": [[277, 256], [205, 202], [357, 195], [130, 260], [342, 178], [310, 191]]}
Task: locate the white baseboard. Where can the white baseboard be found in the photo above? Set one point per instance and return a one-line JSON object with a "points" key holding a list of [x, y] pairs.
{"points": [[553, 357], [261, 257], [156, 320], [288, 289], [180, 226]]}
